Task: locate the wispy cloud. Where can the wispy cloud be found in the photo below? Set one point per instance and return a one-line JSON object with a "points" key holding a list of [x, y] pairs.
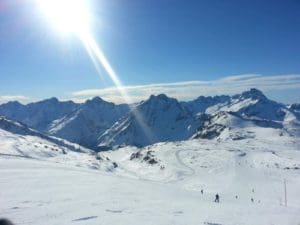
{"points": [[7, 98], [191, 89]]}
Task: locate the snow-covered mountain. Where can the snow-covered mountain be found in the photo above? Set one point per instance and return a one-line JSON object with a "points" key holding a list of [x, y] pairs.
{"points": [[252, 104], [157, 119], [296, 109], [100, 125], [237, 117], [230, 125], [90, 120], [78, 123], [249, 104], [38, 115], [246, 115]]}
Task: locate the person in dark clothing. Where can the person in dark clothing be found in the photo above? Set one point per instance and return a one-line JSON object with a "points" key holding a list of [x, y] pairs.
{"points": [[201, 191], [217, 199]]}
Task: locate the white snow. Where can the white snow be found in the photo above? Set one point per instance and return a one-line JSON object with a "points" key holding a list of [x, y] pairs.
{"points": [[254, 148], [63, 189]]}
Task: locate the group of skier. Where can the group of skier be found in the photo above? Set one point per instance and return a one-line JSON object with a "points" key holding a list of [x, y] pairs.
{"points": [[217, 197]]}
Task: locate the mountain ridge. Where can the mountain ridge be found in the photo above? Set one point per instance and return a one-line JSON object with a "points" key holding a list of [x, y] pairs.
{"points": [[101, 125]]}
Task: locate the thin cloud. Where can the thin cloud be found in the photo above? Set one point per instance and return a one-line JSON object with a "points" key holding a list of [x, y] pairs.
{"points": [[8, 98], [188, 90], [240, 77]]}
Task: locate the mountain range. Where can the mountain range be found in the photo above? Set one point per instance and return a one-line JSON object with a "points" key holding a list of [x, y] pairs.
{"points": [[101, 125]]}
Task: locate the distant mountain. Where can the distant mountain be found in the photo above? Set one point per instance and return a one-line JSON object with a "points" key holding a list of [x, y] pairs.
{"points": [[202, 103], [101, 125], [230, 125], [295, 108], [245, 111], [252, 104], [157, 119], [249, 104], [78, 123], [88, 121], [38, 115]]}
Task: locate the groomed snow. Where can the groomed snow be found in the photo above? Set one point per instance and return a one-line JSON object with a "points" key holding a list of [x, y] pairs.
{"points": [[67, 189]]}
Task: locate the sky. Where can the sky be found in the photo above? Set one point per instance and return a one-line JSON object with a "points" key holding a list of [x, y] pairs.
{"points": [[182, 48]]}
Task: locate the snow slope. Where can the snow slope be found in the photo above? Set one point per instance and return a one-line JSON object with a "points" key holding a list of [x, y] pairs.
{"points": [[233, 126], [19, 141], [166, 192]]}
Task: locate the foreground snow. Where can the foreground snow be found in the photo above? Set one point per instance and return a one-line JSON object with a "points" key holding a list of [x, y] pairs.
{"points": [[46, 193], [76, 188]]}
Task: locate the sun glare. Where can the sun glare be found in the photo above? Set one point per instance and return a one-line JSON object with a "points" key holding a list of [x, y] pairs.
{"points": [[73, 16], [69, 16]]}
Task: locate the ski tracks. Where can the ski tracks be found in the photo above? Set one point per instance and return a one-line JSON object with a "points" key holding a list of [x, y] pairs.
{"points": [[184, 173]]}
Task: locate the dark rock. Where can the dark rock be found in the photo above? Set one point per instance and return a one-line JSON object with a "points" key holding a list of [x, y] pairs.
{"points": [[136, 155], [146, 158], [152, 161], [98, 157]]}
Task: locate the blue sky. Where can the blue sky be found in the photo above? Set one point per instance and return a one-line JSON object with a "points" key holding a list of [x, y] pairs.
{"points": [[217, 46]]}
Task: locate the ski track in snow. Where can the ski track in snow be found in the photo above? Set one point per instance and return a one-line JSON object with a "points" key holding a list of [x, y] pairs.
{"points": [[183, 174]]}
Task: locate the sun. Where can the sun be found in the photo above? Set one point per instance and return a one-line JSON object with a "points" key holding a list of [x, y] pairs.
{"points": [[68, 16], [73, 16]]}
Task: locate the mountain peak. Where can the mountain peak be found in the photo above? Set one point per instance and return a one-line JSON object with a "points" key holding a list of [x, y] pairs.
{"points": [[12, 104], [253, 93], [96, 101], [160, 101], [160, 98], [52, 100], [97, 98]]}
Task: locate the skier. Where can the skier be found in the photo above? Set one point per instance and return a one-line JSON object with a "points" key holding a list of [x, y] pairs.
{"points": [[252, 200], [217, 198], [201, 191]]}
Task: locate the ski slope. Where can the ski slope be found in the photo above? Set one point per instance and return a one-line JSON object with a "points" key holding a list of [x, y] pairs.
{"points": [[70, 189]]}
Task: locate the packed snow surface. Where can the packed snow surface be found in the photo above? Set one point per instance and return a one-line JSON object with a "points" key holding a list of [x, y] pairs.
{"points": [[43, 183]]}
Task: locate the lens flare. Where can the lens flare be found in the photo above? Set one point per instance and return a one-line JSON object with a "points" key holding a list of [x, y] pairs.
{"points": [[73, 16], [98, 57]]}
